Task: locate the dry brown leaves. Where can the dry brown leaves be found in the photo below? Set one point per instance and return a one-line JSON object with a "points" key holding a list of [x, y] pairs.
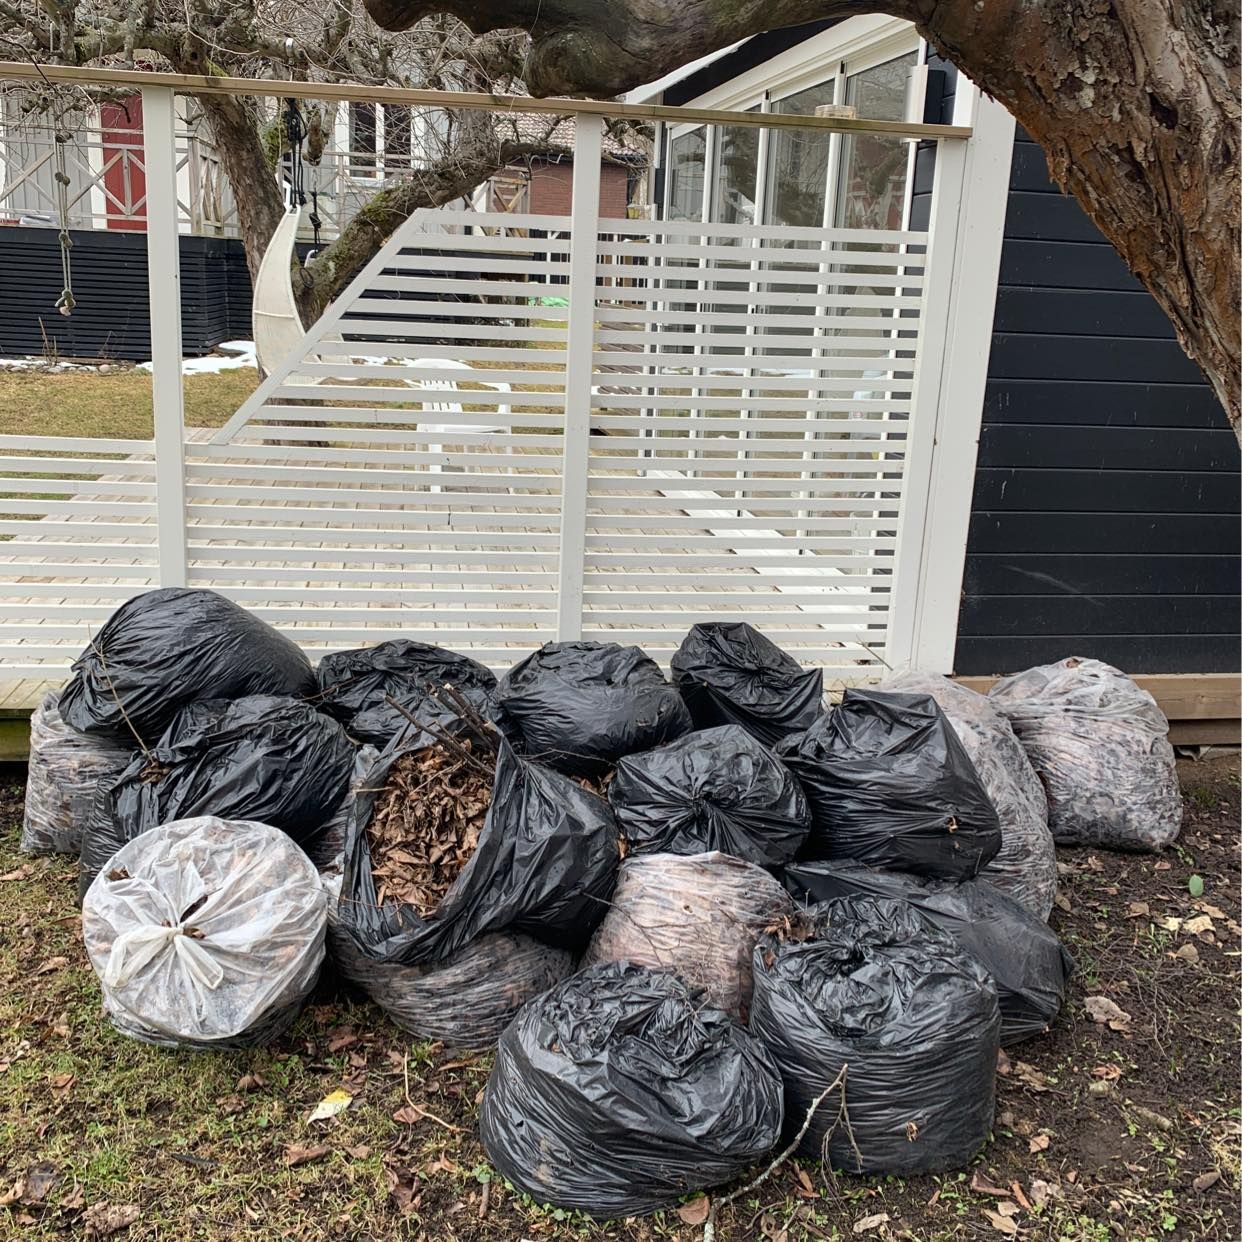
{"points": [[426, 826]]}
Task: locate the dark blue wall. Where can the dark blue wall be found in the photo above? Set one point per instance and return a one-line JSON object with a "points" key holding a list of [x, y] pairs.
{"points": [[112, 318]]}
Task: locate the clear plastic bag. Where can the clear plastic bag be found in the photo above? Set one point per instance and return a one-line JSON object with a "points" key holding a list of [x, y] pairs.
{"points": [[465, 1000], [1100, 746], [64, 769], [697, 915], [1026, 865], [206, 933], [620, 1090]]}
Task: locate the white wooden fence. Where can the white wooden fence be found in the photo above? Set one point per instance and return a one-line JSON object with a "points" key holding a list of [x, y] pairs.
{"points": [[514, 428]]}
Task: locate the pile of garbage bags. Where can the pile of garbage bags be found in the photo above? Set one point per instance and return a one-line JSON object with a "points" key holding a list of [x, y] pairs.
{"points": [[693, 912]]}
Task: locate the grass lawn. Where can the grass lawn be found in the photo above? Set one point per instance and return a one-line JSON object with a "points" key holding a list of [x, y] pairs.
{"points": [[1101, 1134], [112, 406]]}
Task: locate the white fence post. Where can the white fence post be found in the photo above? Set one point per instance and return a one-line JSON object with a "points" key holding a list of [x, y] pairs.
{"points": [[579, 372], [972, 307], [164, 289]]}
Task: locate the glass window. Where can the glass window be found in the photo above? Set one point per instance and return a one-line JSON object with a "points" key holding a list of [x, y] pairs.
{"points": [[872, 186], [686, 159], [362, 139], [737, 172], [398, 137], [798, 162]]}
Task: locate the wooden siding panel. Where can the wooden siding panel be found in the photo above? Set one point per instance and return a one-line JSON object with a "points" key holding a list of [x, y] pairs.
{"points": [[1109, 448], [1082, 312], [1166, 653], [1006, 615], [1100, 576], [1060, 401], [1088, 534]]}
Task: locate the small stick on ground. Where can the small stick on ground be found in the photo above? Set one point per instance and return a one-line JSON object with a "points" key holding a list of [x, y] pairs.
{"points": [[418, 1108], [709, 1226]]}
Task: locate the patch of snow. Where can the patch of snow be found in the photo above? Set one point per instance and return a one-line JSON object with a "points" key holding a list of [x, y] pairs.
{"points": [[238, 354]]}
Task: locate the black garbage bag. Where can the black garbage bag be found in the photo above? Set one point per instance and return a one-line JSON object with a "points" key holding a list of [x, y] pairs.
{"points": [[579, 707], [544, 866], [166, 648], [875, 986], [1021, 952], [729, 673], [262, 758], [718, 789], [354, 686], [468, 999], [618, 1092], [891, 785], [1026, 864]]}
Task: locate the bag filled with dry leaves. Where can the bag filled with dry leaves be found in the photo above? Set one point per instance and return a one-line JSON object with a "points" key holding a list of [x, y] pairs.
{"points": [[464, 1001], [1026, 864], [1022, 953], [621, 1090], [275, 760], [461, 839], [173, 646], [697, 915], [870, 992], [206, 933], [579, 707], [65, 768], [355, 687], [729, 673], [716, 789], [890, 784], [1101, 747]]}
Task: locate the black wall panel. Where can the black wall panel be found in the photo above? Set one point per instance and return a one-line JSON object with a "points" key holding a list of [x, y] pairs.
{"points": [[1105, 513], [109, 274]]}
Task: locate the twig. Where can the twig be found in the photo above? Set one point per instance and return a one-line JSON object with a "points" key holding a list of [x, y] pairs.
{"points": [[458, 703], [709, 1226], [116, 698], [422, 1112], [444, 738]]}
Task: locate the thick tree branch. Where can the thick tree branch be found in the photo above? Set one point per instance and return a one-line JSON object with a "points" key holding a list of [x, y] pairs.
{"points": [[1135, 103]]}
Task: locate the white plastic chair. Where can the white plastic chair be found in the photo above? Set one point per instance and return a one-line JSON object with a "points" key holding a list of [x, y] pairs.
{"points": [[448, 406]]}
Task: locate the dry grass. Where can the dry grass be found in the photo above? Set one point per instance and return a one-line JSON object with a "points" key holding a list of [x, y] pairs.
{"points": [[113, 405]]}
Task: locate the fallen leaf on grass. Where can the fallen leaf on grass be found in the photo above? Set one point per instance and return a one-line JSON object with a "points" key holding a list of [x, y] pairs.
{"points": [[1187, 953], [1039, 1143], [1029, 1076], [102, 1220], [52, 963], [866, 1223], [330, 1105], [338, 1043], [361, 1152], [1106, 1071], [695, 1212], [13, 1193], [1101, 1086], [981, 1186], [1206, 1180], [20, 874], [1002, 1224], [401, 1190], [1017, 1194], [1137, 909], [60, 1083], [1213, 912], [806, 1188], [39, 1180], [1201, 926], [1063, 903], [296, 1154], [1042, 1191], [1195, 886], [251, 1082], [1106, 1012], [1003, 1065]]}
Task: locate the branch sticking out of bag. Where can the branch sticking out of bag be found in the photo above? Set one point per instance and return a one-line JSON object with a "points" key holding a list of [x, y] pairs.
{"points": [[449, 742]]}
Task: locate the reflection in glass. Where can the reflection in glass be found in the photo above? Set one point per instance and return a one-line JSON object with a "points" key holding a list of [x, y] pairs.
{"points": [[686, 159], [798, 163], [737, 169]]}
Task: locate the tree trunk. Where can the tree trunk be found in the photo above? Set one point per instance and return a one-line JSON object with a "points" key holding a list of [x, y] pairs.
{"points": [[1135, 103], [235, 127]]}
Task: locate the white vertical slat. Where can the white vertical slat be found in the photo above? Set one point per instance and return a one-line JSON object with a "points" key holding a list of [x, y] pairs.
{"points": [[934, 317], [976, 271], [164, 285], [579, 371]]}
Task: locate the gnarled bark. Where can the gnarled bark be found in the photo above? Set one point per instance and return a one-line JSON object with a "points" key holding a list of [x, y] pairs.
{"points": [[1135, 103]]}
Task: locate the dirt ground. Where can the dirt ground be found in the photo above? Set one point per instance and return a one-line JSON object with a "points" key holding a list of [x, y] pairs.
{"points": [[1101, 1133]]}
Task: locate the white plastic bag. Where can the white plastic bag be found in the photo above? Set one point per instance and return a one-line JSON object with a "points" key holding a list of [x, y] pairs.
{"points": [[1101, 747], [206, 933], [1026, 866], [697, 915], [65, 767]]}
